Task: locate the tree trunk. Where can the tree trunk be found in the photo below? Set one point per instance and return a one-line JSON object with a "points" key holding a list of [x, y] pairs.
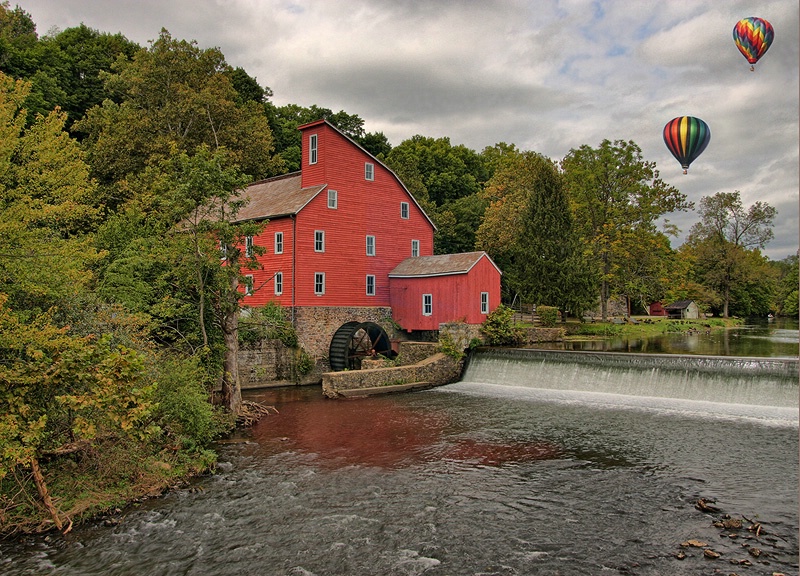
{"points": [[44, 494], [231, 385], [727, 300]]}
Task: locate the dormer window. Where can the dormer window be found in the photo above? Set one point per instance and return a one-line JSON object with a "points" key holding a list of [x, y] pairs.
{"points": [[312, 149], [369, 171]]}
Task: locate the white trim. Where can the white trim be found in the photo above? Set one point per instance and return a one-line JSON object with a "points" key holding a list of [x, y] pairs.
{"points": [[313, 151], [484, 302], [369, 171], [278, 242], [278, 283], [319, 279], [319, 240], [371, 246], [427, 305], [405, 210], [415, 248], [333, 199], [367, 287]]}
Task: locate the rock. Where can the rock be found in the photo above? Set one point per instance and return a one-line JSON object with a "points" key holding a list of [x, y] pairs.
{"points": [[694, 543], [732, 523], [708, 553]]}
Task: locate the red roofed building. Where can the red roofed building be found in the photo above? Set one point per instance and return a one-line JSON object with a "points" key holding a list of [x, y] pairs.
{"points": [[452, 286], [346, 242]]}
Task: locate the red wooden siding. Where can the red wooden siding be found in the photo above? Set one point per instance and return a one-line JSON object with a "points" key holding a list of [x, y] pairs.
{"points": [[364, 208], [456, 297]]}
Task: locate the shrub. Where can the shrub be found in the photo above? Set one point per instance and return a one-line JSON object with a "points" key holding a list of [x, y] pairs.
{"points": [[304, 363], [448, 347], [548, 315], [182, 397], [267, 323], [500, 328]]}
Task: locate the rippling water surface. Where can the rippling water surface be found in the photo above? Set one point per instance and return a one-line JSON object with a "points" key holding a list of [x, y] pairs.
{"points": [[471, 478]]}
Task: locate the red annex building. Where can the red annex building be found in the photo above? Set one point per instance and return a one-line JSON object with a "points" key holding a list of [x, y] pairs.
{"points": [[344, 232]]}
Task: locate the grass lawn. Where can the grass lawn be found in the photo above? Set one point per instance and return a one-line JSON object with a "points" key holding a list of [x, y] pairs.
{"points": [[645, 327]]}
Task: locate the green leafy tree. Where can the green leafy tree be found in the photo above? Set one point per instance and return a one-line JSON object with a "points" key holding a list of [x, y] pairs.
{"points": [[173, 97], [448, 172], [458, 223], [723, 244], [528, 230], [787, 290], [616, 198], [46, 206]]}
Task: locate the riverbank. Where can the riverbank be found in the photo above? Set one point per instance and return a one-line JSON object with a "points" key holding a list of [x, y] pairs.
{"points": [[646, 327]]}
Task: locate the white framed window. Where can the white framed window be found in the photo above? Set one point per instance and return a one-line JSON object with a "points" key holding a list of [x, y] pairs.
{"points": [[415, 248], [370, 245], [484, 302], [319, 241], [223, 250], [278, 283], [248, 246], [248, 285], [312, 149], [404, 210], [369, 171], [370, 285], [319, 283], [427, 304], [333, 199], [278, 242]]}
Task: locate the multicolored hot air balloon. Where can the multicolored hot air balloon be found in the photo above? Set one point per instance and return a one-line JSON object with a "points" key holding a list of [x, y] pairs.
{"points": [[686, 137], [753, 37]]}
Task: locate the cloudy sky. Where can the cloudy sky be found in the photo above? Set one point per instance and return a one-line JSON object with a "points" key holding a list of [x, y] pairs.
{"points": [[546, 75]]}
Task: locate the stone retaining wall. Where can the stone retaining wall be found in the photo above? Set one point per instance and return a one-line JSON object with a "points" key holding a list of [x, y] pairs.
{"points": [[533, 335], [436, 370]]}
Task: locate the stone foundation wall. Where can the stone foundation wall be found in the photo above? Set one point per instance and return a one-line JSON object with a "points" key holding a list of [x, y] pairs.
{"points": [[316, 326], [462, 334], [533, 335], [436, 370]]}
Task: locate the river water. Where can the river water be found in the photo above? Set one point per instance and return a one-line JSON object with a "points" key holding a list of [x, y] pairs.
{"points": [[500, 474]]}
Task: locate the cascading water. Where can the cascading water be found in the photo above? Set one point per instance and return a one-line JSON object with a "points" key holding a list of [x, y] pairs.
{"points": [[756, 381]]}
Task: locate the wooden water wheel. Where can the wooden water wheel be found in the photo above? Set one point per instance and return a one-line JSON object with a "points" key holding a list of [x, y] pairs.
{"points": [[354, 341]]}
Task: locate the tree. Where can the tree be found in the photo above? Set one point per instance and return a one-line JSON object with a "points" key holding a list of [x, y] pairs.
{"points": [[448, 172], [173, 97], [46, 206], [724, 242], [616, 198], [787, 291], [528, 230]]}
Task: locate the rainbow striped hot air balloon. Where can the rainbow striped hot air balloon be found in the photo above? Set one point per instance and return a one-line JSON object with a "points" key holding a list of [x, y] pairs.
{"points": [[686, 137], [753, 37]]}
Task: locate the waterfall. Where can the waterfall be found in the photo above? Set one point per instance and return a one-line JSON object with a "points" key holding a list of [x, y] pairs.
{"points": [[720, 379]]}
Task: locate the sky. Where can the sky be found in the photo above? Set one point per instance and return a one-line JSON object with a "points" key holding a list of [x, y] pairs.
{"points": [[546, 75]]}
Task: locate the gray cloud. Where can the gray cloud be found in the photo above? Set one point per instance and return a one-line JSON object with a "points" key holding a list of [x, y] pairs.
{"points": [[549, 75]]}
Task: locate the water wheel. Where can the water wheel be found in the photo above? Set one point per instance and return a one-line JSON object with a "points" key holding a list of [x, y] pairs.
{"points": [[356, 340]]}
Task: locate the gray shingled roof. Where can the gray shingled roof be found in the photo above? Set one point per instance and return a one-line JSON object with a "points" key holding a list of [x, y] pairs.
{"points": [[438, 265], [274, 197]]}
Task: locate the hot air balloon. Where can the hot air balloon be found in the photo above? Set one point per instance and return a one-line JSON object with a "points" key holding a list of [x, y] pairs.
{"points": [[753, 37], [686, 137]]}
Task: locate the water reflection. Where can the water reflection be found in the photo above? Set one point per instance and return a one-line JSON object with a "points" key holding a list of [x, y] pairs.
{"points": [[758, 338]]}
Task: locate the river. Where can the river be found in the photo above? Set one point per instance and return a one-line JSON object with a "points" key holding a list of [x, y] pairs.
{"points": [[494, 475]]}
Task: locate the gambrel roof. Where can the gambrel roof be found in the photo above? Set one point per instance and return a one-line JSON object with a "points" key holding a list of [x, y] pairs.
{"points": [[441, 265]]}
